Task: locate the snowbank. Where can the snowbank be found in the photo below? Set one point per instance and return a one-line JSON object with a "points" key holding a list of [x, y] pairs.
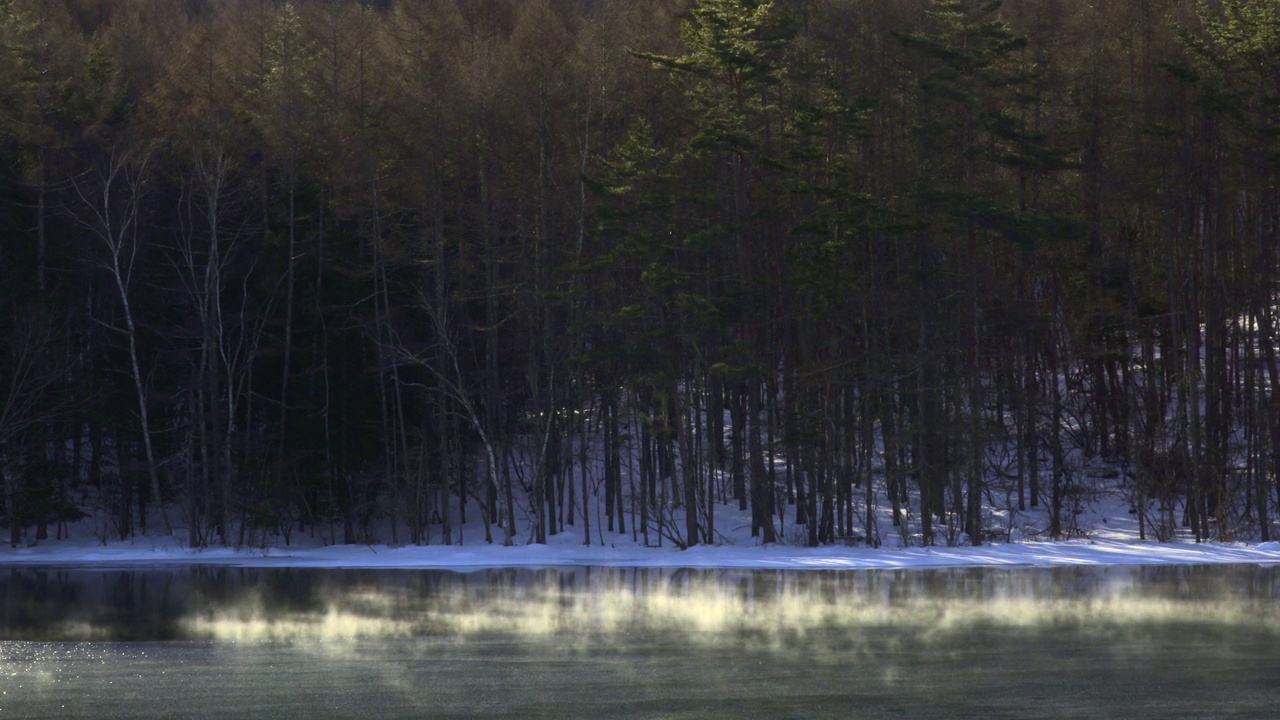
{"points": [[567, 549]]}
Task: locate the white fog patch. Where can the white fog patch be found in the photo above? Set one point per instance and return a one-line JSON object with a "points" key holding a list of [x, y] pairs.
{"points": [[707, 611], [356, 614]]}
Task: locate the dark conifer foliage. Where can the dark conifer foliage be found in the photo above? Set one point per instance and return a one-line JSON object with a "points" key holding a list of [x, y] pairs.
{"points": [[345, 268]]}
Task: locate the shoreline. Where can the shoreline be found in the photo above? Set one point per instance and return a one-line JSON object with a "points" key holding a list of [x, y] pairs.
{"points": [[166, 552]]}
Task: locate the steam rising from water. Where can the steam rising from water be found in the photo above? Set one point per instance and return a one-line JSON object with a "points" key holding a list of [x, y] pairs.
{"points": [[767, 608], [531, 643], [390, 626]]}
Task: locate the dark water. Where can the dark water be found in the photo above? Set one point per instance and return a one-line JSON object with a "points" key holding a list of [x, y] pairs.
{"points": [[1157, 642]]}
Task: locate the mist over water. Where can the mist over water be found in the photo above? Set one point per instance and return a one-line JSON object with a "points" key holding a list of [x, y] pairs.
{"points": [[408, 641], [593, 604], [773, 609]]}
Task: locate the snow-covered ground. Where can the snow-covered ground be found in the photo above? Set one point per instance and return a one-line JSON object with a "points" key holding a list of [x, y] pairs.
{"points": [[1104, 532], [567, 548], [161, 551]]}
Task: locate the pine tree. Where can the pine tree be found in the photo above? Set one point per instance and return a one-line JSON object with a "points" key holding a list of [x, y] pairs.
{"points": [[975, 149]]}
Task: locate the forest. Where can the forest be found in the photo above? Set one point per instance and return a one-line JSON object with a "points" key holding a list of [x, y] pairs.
{"points": [[269, 266]]}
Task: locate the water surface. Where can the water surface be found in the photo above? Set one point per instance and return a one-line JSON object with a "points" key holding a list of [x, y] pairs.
{"points": [[1141, 642]]}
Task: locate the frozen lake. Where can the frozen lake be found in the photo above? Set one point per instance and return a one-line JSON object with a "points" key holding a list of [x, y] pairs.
{"points": [[591, 642]]}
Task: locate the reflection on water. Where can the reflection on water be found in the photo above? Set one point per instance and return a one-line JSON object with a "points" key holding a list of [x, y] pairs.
{"points": [[628, 642]]}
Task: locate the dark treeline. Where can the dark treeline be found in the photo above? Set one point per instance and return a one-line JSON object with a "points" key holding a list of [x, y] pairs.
{"points": [[321, 266]]}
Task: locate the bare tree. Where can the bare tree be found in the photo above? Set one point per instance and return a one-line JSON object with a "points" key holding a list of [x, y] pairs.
{"points": [[441, 362], [206, 246], [108, 203]]}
